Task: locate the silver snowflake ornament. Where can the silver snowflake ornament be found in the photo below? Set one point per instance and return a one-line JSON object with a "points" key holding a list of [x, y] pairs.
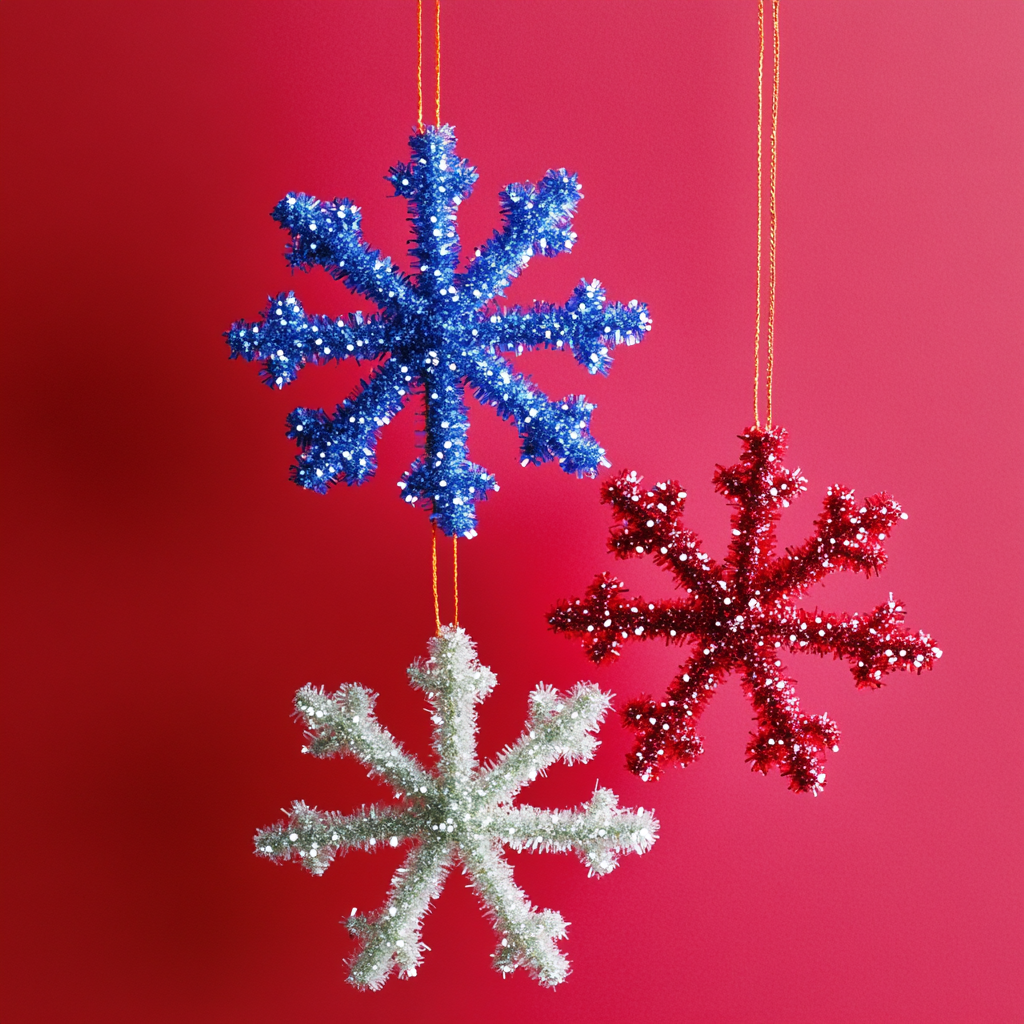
{"points": [[458, 812]]}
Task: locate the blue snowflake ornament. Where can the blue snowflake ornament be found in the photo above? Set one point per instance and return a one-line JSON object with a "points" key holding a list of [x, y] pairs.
{"points": [[438, 332]]}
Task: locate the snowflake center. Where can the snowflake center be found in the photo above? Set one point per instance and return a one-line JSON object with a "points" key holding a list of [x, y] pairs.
{"points": [[456, 815]]}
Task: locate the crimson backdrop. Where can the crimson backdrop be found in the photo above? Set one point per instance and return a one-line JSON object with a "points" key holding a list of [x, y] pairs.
{"points": [[169, 588]]}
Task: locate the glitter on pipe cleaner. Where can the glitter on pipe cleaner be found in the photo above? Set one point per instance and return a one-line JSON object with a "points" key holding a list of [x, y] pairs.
{"points": [[439, 331], [741, 615], [459, 812]]}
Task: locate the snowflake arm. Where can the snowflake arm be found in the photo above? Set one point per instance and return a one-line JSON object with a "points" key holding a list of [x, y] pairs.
{"points": [[434, 183], [444, 476], [286, 339], [596, 831], [848, 536], [758, 487], [326, 234], [548, 430], [344, 723], [528, 936], [584, 325], [391, 939], [874, 644], [650, 523], [455, 683], [559, 726], [605, 619], [314, 837], [457, 812], [786, 737], [537, 222], [344, 446], [666, 730]]}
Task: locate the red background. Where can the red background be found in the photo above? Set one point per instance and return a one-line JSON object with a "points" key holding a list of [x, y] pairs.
{"points": [[169, 589]]}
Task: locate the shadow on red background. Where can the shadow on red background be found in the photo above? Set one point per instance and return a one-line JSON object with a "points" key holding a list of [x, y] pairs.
{"points": [[168, 589]]}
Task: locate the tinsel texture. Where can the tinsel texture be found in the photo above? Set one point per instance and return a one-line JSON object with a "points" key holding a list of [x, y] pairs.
{"points": [[438, 333], [458, 812], [741, 615]]}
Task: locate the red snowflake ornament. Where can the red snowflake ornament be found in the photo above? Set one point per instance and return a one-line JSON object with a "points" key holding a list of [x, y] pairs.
{"points": [[740, 615]]}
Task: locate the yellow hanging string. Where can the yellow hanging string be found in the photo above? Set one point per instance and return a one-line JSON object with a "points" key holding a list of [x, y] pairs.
{"points": [[760, 129], [419, 64], [772, 215], [437, 42], [772, 219], [455, 565], [433, 567], [437, 113]]}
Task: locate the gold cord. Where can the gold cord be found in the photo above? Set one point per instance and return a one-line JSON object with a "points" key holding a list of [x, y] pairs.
{"points": [[455, 564], [772, 219], [772, 212], [419, 64], [437, 113], [760, 129], [433, 566], [437, 41]]}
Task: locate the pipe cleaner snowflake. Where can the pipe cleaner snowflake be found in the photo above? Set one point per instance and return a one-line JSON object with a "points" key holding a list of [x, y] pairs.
{"points": [[740, 615], [457, 812], [438, 331]]}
